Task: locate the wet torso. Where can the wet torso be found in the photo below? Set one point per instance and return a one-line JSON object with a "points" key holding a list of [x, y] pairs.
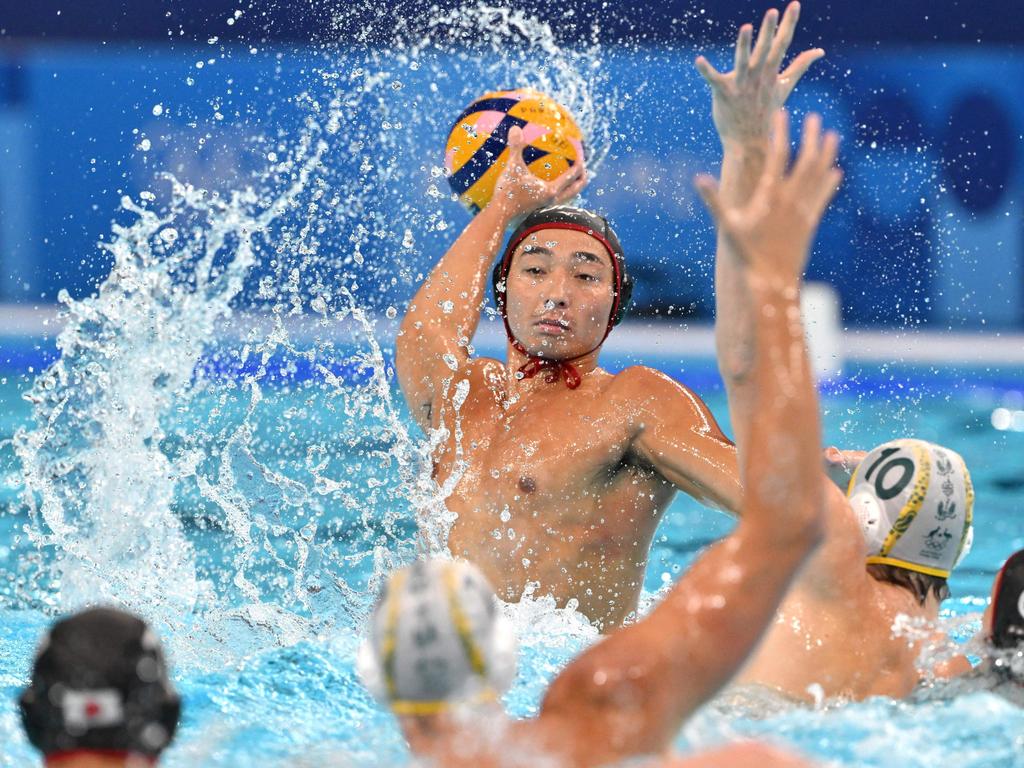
{"points": [[549, 494], [841, 648]]}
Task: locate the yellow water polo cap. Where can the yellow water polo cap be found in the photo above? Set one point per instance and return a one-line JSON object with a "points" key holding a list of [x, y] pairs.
{"points": [[915, 505], [437, 637]]}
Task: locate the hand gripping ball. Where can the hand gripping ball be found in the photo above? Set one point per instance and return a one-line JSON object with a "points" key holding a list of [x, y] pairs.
{"points": [[477, 149]]}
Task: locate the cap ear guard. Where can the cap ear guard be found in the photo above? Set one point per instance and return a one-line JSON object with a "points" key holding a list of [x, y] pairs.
{"points": [[504, 657], [370, 673], [869, 514], [32, 718], [965, 550]]}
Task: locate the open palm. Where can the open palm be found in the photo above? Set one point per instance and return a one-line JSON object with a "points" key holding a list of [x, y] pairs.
{"points": [[744, 100]]}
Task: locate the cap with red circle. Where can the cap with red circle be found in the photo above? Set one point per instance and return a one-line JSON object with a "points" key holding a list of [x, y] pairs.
{"points": [[99, 685]]}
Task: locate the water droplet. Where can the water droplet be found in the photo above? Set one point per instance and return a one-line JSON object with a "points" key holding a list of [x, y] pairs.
{"points": [[391, 313], [158, 109]]}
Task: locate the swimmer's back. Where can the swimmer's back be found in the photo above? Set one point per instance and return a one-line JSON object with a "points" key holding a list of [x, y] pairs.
{"points": [[836, 639]]}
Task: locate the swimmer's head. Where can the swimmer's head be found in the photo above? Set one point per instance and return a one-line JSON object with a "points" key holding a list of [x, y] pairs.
{"points": [[915, 504], [561, 284], [99, 684], [437, 639], [1003, 623]]}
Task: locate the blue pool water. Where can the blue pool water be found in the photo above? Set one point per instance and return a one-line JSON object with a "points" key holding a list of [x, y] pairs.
{"points": [[265, 662]]}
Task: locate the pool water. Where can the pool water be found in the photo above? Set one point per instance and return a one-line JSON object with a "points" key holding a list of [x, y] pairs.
{"points": [[264, 661]]}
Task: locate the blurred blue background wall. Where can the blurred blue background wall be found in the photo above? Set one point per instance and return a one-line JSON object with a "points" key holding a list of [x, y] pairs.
{"points": [[927, 230]]}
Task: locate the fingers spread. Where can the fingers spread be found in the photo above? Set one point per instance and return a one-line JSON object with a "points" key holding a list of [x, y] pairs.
{"points": [[784, 37], [742, 59], [708, 72], [798, 67], [775, 165], [764, 38], [707, 187]]}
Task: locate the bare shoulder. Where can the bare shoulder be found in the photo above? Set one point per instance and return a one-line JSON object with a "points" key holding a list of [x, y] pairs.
{"points": [[643, 383], [657, 395]]}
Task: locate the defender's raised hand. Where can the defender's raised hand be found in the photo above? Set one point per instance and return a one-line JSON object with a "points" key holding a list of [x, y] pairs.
{"points": [[519, 191], [771, 233], [744, 99]]}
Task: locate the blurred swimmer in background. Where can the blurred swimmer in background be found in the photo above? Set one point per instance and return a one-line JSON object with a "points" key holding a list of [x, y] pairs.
{"points": [[1000, 643], [563, 469], [440, 653], [910, 510], [99, 695]]}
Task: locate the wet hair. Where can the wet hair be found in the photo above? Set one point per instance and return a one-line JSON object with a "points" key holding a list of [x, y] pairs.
{"points": [[1007, 622], [919, 584]]}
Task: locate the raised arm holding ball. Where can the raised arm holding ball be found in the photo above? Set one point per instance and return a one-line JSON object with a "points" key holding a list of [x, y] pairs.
{"points": [[440, 653], [558, 470]]}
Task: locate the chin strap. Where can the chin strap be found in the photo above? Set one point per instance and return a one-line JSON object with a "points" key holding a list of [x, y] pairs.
{"points": [[553, 369]]}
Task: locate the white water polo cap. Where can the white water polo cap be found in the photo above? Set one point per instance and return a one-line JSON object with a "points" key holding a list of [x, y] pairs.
{"points": [[437, 638], [915, 504]]}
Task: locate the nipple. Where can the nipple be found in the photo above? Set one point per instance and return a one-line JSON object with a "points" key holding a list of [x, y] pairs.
{"points": [[527, 484]]}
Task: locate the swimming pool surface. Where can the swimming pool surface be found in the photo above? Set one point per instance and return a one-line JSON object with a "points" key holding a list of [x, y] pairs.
{"points": [[264, 661]]}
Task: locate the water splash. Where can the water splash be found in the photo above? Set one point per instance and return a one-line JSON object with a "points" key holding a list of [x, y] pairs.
{"points": [[222, 436]]}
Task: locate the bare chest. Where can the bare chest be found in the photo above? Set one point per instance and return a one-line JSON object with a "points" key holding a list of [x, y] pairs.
{"points": [[551, 446]]}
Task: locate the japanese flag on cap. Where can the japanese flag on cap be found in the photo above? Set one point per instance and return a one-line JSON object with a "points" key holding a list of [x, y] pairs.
{"points": [[84, 710]]}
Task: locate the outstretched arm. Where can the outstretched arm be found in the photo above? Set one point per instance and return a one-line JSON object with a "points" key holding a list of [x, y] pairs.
{"points": [[743, 102], [629, 694], [443, 315]]}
